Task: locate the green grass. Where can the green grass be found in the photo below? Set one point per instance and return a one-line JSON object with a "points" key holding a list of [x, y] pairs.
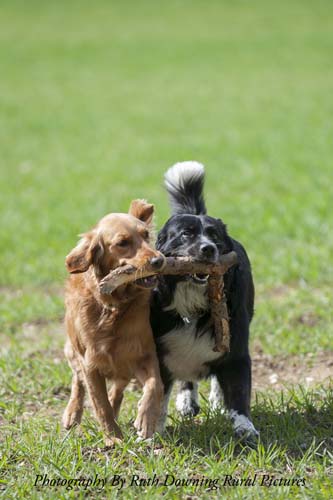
{"points": [[97, 99], [296, 438]]}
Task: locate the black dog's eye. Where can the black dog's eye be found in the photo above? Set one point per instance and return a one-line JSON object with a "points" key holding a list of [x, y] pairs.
{"points": [[186, 234], [212, 234]]}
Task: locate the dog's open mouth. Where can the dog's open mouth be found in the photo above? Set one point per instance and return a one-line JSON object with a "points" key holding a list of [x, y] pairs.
{"points": [[148, 282], [200, 279]]}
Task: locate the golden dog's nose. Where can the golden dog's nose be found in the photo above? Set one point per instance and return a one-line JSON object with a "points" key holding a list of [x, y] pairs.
{"points": [[157, 262]]}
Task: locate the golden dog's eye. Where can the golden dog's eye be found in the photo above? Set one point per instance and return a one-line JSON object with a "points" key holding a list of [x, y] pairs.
{"points": [[123, 243], [145, 235]]}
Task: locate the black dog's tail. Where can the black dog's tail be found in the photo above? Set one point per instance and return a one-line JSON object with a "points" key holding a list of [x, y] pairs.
{"points": [[184, 183]]}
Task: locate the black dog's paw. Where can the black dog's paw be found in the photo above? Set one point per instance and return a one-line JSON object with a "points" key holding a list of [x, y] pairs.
{"points": [[246, 437], [244, 429]]}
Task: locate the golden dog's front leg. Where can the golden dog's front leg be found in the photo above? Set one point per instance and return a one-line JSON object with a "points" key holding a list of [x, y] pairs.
{"points": [[149, 407], [97, 390], [116, 394], [74, 409]]}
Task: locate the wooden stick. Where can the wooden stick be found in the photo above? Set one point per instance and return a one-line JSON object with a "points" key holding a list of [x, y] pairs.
{"points": [[219, 312], [184, 265], [172, 266]]}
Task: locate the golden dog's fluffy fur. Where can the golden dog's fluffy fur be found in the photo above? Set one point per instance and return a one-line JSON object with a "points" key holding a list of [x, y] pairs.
{"points": [[109, 337]]}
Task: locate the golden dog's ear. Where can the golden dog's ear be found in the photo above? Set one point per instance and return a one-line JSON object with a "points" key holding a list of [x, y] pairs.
{"points": [[142, 210], [87, 252]]}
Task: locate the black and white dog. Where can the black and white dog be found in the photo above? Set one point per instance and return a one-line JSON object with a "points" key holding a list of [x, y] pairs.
{"points": [[180, 314]]}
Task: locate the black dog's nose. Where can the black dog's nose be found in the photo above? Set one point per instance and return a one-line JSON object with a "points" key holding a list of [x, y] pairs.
{"points": [[157, 262], [207, 250]]}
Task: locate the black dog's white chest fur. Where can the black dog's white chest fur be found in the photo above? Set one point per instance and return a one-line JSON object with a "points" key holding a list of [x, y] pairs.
{"points": [[189, 299], [188, 351], [188, 348]]}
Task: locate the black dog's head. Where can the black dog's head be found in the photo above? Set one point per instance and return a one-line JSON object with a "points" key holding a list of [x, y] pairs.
{"points": [[201, 237]]}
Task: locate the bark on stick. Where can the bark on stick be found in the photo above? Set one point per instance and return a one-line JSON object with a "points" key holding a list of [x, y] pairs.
{"points": [[172, 266]]}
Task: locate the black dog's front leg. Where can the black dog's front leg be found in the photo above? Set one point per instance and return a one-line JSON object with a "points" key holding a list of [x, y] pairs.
{"points": [[234, 376], [187, 399]]}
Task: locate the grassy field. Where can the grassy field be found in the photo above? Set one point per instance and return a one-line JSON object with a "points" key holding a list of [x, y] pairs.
{"points": [[97, 99]]}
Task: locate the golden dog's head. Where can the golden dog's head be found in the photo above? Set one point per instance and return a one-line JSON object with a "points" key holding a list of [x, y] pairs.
{"points": [[118, 239]]}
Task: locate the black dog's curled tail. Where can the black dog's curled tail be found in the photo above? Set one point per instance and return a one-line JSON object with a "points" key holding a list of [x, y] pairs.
{"points": [[184, 183]]}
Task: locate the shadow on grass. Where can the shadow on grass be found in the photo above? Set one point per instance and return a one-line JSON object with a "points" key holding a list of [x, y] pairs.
{"points": [[293, 422]]}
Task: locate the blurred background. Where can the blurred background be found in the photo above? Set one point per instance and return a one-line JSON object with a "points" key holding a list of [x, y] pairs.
{"points": [[98, 99]]}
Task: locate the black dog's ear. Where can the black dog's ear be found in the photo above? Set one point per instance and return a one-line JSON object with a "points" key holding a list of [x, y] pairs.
{"points": [[221, 225], [161, 239], [227, 241]]}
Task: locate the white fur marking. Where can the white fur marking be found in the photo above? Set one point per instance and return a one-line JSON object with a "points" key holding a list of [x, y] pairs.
{"points": [[241, 424], [189, 298], [188, 352], [179, 173], [184, 399], [215, 395]]}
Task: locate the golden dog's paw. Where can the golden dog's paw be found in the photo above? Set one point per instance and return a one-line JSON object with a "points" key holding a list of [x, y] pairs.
{"points": [[71, 418], [112, 441], [145, 426]]}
